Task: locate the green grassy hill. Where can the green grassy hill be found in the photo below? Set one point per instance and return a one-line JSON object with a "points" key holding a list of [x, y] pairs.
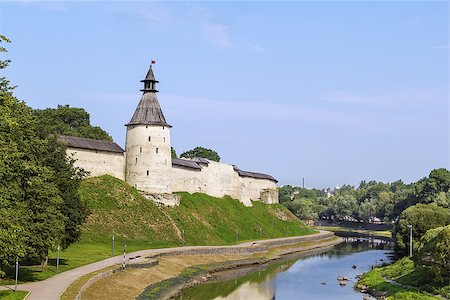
{"points": [[116, 208]]}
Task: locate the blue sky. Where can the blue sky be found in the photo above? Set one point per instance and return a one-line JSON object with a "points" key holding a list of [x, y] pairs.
{"points": [[335, 92]]}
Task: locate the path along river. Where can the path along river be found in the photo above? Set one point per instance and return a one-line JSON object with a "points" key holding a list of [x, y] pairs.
{"points": [[311, 277]]}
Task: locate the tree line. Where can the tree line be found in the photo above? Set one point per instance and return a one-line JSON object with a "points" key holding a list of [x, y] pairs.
{"points": [[40, 208], [421, 208], [370, 200]]}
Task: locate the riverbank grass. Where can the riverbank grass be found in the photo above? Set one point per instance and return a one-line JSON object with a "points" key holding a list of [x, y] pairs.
{"points": [[403, 280], [384, 233]]}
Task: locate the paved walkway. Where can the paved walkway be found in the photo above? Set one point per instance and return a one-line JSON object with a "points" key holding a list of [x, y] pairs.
{"points": [[53, 287]]}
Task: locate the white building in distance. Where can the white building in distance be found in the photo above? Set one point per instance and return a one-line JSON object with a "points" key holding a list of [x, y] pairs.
{"points": [[147, 165]]}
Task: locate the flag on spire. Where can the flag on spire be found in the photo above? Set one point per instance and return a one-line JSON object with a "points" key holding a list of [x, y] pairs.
{"points": [[153, 62]]}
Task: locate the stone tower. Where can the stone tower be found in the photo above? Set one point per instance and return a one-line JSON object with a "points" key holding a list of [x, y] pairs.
{"points": [[148, 151]]}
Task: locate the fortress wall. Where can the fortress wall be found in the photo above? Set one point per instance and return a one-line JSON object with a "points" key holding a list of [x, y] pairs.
{"points": [[221, 179], [186, 180], [215, 179], [99, 162], [260, 189], [218, 180]]}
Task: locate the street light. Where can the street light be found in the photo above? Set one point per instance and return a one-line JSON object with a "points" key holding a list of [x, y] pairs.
{"points": [[57, 261], [17, 273], [410, 240]]}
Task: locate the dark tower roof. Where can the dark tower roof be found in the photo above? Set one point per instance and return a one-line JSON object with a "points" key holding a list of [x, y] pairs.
{"points": [[148, 111]]}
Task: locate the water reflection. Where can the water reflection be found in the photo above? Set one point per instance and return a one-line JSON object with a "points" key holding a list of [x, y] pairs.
{"points": [[298, 277]]}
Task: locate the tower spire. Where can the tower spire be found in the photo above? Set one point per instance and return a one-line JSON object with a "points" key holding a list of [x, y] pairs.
{"points": [[150, 81], [148, 111]]}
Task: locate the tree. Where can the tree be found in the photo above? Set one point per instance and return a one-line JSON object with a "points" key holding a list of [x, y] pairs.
{"points": [[433, 251], [39, 204], [26, 184], [4, 83], [305, 209], [67, 179], [201, 152], [367, 210], [173, 152], [422, 217], [345, 206], [66, 120]]}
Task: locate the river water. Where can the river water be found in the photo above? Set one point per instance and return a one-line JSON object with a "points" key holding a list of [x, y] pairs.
{"points": [[311, 277]]}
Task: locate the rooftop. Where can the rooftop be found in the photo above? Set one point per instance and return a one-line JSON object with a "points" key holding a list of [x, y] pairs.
{"points": [[85, 143]]}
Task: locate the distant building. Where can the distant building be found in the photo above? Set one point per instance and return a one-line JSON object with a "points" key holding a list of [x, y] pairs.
{"points": [[147, 165]]}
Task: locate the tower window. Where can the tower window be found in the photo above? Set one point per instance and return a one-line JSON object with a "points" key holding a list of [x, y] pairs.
{"points": [[147, 172], [149, 138], [164, 138], [146, 126], [136, 160], [165, 162], [156, 150], [140, 149]]}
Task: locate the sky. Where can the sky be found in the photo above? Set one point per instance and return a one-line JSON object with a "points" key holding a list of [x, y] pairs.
{"points": [[333, 92]]}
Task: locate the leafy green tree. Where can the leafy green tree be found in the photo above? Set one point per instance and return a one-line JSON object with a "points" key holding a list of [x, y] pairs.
{"points": [[345, 206], [434, 251], [285, 193], [26, 183], [67, 179], [4, 83], [66, 120], [422, 217], [385, 205], [367, 210], [39, 204], [305, 209], [173, 152], [201, 152]]}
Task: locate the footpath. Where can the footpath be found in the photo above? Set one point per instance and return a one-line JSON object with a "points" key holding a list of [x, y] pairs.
{"points": [[53, 287]]}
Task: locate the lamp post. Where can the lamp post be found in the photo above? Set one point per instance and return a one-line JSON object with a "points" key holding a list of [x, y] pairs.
{"points": [[17, 273], [182, 236], [124, 253], [410, 240], [260, 233], [57, 261], [112, 246], [237, 235]]}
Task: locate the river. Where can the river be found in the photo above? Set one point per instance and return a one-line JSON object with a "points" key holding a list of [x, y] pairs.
{"points": [[298, 277]]}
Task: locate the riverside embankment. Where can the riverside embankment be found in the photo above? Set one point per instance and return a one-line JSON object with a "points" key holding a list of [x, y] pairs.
{"points": [[129, 283]]}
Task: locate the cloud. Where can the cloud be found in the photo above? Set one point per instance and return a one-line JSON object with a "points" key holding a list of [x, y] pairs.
{"points": [[257, 49], [218, 34]]}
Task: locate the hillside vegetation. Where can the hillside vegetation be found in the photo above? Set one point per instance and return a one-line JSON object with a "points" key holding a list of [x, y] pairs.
{"points": [[118, 209]]}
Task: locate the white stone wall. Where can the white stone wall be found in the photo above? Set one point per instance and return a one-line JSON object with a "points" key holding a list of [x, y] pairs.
{"points": [[99, 162], [148, 158], [150, 170], [260, 189], [218, 180]]}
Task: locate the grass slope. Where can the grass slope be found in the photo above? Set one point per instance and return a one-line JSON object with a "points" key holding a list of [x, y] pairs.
{"points": [[118, 209]]}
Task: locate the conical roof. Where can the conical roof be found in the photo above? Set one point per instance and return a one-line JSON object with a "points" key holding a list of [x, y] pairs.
{"points": [[150, 76], [148, 112]]}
